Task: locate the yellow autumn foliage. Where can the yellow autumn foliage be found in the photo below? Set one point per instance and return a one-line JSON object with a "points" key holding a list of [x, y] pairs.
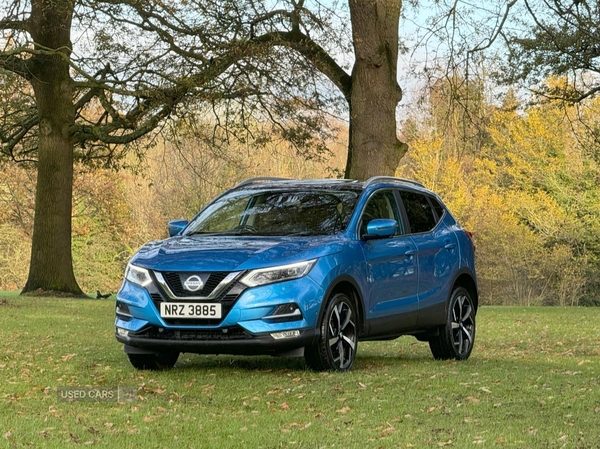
{"points": [[528, 187], [531, 198]]}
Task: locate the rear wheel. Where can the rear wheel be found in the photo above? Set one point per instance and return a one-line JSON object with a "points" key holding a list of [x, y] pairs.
{"points": [[338, 340], [154, 362], [457, 336]]}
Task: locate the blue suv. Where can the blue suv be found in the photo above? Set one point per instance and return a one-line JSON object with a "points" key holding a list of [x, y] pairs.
{"points": [[288, 267]]}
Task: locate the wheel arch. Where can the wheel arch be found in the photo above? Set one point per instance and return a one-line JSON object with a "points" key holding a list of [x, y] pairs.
{"points": [[345, 284], [467, 281]]}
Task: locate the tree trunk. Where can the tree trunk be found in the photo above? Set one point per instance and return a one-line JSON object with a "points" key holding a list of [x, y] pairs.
{"points": [[374, 148], [51, 266]]}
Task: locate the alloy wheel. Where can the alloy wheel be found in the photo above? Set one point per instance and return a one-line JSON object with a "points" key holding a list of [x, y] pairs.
{"points": [[463, 325], [341, 336]]}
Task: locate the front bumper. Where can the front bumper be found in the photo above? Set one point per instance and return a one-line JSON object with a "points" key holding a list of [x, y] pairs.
{"points": [[235, 342], [247, 327]]}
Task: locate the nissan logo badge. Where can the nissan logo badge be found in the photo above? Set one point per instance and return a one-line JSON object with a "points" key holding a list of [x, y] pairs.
{"points": [[193, 283]]}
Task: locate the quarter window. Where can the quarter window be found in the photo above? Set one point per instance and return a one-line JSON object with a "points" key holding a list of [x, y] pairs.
{"points": [[439, 209]]}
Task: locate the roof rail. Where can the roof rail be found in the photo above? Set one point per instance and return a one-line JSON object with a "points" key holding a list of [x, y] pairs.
{"points": [[391, 178], [258, 179]]}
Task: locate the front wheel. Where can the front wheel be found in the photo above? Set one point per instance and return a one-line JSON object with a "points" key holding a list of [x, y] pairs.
{"points": [[338, 340], [457, 336], [154, 362]]}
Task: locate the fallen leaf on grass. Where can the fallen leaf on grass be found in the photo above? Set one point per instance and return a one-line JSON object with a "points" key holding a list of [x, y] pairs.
{"points": [[445, 443], [472, 400], [285, 406], [388, 431], [344, 409], [300, 425], [67, 357]]}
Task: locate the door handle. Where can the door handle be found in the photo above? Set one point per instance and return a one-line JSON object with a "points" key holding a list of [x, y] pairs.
{"points": [[450, 245], [410, 252]]}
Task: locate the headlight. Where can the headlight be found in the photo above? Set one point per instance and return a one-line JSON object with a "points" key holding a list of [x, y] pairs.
{"points": [[277, 274], [137, 275]]}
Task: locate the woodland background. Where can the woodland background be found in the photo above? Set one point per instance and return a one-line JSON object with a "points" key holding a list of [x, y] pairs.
{"points": [[523, 177]]}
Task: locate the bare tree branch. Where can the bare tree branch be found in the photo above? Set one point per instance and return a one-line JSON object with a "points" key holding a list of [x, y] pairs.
{"points": [[13, 63], [499, 28], [18, 25]]}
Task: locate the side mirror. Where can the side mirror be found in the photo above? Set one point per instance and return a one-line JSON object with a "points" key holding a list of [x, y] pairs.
{"points": [[380, 228], [176, 226]]}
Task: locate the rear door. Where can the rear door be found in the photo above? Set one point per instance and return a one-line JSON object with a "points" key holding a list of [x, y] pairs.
{"points": [[437, 254]]}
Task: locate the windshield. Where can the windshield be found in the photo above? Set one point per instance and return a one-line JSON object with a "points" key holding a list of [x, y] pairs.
{"points": [[277, 213]]}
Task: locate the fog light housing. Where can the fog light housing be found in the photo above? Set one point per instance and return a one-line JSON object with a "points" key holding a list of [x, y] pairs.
{"points": [[285, 312], [122, 310], [285, 334], [122, 332]]}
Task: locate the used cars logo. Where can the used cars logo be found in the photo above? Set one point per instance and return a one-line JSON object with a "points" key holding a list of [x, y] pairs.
{"points": [[193, 283]]}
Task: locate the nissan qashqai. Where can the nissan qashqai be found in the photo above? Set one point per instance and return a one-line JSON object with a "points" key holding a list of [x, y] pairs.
{"points": [[303, 268]]}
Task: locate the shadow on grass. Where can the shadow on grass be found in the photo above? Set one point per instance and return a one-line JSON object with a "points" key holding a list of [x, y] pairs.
{"points": [[195, 362]]}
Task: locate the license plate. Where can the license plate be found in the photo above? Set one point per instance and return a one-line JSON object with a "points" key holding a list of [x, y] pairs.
{"points": [[190, 310]]}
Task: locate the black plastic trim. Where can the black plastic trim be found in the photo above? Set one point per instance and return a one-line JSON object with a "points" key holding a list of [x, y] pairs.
{"points": [[262, 344]]}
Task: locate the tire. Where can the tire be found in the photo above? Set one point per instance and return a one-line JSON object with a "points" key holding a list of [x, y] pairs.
{"points": [[154, 362], [457, 337], [338, 340]]}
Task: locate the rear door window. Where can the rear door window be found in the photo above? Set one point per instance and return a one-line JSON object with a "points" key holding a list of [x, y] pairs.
{"points": [[420, 213]]}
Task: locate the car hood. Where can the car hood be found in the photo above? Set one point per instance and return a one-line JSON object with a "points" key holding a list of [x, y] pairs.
{"points": [[232, 253]]}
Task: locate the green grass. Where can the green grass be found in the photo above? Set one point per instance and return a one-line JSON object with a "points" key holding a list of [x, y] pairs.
{"points": [[9, 294], [532, 382]]}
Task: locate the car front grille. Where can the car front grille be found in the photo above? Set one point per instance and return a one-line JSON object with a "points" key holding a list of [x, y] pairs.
{"points": [[227, 297], [175, 283]]}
